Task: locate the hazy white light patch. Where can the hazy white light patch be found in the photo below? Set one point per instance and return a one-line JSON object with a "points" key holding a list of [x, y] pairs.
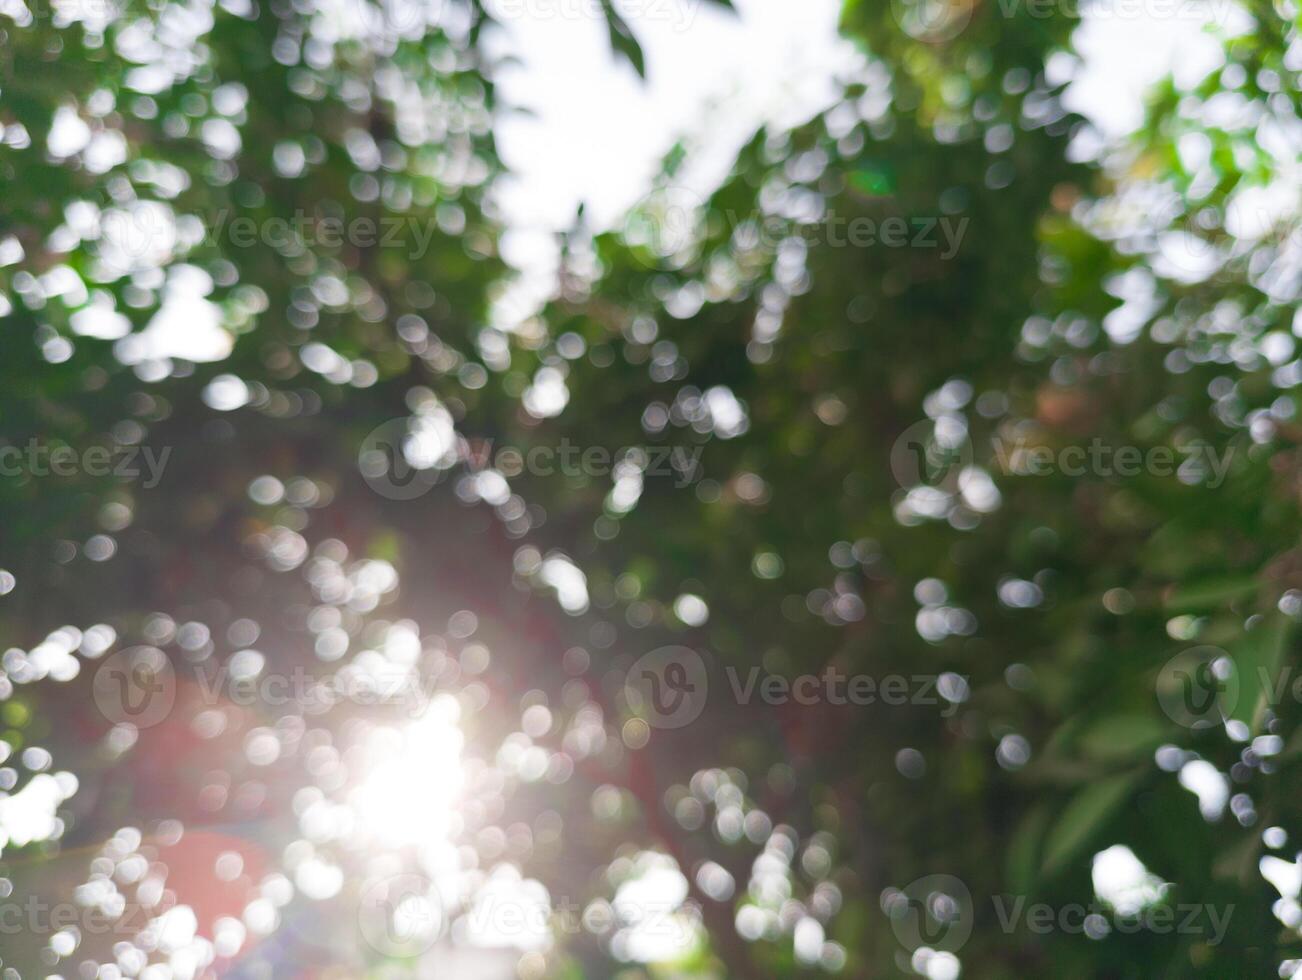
{"points": [[187, 325], [29, 814], [613, 128], [1286, 876], [509, 912], [1185, 258], [1254, 212], [16, 11], [570, 583], [11, 251], [225, 393], [53, 658], [167, 47], [69, 133], [106, 150], [228, 936], [62, 281], [597, 133], [491, 487], [137, 237], [341, 20], [95, 15], [978, 490], [432, 440], [327, 362], [691, 609], [289, 158], [1017, 593], [1208, 784], [1122, 57], [627, 491], [1138, 289], [657, 928], [171, 931], [221, 138], [936, 964], [807, 940], [355, 20], [661, 886], [923, 501], [548, 395], [318, 880], [1121, 880], [415, 778], [727, 415], [716, 881], [100, 319], [230, 99]]}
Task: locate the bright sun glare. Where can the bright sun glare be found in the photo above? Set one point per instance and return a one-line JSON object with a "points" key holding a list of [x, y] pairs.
{"points": [[415, 779]]}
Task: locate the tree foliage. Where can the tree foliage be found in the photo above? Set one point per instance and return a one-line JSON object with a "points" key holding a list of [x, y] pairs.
{"points": [[1140, 293]]}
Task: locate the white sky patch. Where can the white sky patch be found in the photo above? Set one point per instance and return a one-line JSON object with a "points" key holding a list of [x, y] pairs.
{"points": [[597, 133], [1123, 56], [600, 131]]}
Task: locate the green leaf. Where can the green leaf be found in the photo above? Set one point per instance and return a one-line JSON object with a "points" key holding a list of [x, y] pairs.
{"points": [[1084, 815], [622, 38]]}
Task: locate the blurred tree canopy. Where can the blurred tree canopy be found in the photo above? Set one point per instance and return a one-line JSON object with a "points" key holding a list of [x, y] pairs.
{"points": [[169, 282]]}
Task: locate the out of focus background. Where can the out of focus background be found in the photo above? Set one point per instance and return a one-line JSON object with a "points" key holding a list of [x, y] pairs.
{"points": [[649, 488]]}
